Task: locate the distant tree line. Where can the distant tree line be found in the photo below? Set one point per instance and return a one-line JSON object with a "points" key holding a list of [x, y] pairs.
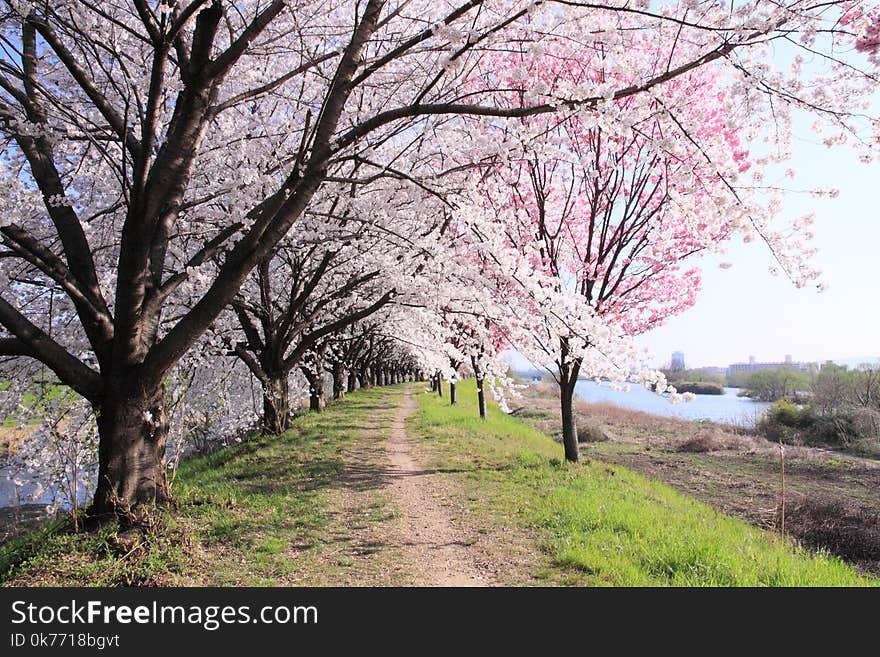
{"points": [[828, 405]]}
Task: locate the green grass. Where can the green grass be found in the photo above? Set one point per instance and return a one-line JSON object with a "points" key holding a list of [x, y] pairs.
{"points": [[601, 524], [252, 514]]}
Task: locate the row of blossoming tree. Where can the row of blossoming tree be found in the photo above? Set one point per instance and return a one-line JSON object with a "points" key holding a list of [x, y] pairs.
{"points": [[195, 190]]}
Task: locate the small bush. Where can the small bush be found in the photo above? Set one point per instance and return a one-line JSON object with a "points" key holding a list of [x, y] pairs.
{"points": [[786, 422], [788, 414], [591, 432], [837, 427]]}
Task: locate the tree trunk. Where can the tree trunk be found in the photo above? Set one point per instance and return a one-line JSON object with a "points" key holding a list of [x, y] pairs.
{"points": [[276, 405], [568, 376], [452, 393], [372, 378], [132, 430], [317, 400], [439, 385], [481, 393], [314, 374], [569, 422], [352, 381], [338, 381]]}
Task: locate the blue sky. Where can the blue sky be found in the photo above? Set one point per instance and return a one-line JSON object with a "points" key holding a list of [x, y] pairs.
{"points": [[745, 311]]}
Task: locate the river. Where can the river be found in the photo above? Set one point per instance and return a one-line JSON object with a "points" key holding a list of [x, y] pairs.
{"points": [[726, 408]]}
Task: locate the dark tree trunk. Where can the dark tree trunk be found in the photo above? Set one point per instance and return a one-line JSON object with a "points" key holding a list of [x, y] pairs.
{"points": [[338, 381], [317, 399], [372, 378], [481, 393], [352, 381], [569, 423], [433, 384], [276, 405], [315, 376], [133, 430], [439, 385], [452, 393], [568, 376]]}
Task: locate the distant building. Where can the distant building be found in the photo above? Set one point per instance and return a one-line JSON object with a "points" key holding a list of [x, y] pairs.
{"points": [[754, 366], [712, 370], [677, 361]]}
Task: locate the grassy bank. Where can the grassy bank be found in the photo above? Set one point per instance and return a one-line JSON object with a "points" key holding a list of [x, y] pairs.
{"points": [[831, 500], [259, 513], [602, 524]]}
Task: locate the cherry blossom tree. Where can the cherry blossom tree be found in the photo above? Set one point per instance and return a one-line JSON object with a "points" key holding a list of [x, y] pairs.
{"points": [[607, 207], [302, 300]]}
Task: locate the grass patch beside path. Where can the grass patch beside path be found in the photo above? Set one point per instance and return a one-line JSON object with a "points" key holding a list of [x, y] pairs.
{"points": [[602, 524], [254, 514]]}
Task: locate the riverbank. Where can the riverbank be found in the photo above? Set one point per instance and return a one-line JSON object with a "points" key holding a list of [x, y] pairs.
{"points": [[831, 500], [392, 486]]}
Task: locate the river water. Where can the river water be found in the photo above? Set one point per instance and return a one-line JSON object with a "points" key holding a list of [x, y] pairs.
{"points": [[726, 408]]}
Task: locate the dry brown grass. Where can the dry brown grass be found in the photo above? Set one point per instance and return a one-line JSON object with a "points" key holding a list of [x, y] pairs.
{"points": [[628, 425], [12, 437], [714, 439], [617, 416]]}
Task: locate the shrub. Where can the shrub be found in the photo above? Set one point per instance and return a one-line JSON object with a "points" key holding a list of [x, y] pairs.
{"points": [[591, 432], [836, 427], [786, 422], [839, 427]]}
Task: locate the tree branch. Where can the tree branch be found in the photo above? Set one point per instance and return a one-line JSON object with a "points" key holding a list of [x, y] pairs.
{"points": [[82, 78]]}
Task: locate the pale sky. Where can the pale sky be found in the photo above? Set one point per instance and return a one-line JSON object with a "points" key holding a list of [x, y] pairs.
{"points": [[746, 311]]}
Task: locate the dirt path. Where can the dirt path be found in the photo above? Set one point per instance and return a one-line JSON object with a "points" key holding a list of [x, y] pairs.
{"points": [[397, 523], [438, 551]]}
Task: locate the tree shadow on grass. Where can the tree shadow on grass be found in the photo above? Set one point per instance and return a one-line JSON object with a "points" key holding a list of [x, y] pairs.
{"points": [[363, 476]]}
